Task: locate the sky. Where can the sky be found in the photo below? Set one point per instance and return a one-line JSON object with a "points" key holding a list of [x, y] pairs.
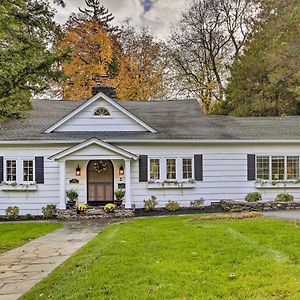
{"points": [[158, 15]]}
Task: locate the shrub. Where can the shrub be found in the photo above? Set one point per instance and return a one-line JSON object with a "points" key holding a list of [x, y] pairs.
{"points": [[172, 205], [110, 208], [284, 197], [150, 204], [12, 212], [49, 211], [253, 197], [197, 204]]}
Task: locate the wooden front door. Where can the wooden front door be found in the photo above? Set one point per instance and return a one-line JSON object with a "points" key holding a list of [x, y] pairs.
{"points": [[100, 182]]}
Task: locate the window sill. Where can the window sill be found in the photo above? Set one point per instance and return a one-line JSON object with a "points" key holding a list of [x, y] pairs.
{"points": [[171, 185], [18, 187], [277, 185]]}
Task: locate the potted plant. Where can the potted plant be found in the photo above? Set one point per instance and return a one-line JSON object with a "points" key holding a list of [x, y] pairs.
{"points": [[110, 208], [72, 198], [119, 197]]}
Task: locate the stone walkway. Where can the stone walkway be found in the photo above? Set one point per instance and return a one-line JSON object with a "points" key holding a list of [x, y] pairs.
{"points": [[23, 267], [283, 214]]}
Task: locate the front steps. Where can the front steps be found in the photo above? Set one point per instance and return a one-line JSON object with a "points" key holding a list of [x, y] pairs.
{"points": [[94, 213]]}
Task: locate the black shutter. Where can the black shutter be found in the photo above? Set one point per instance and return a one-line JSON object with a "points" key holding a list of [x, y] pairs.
{"points": [[198, 166], [39, 169], [143, 168], [1, 169], [251, 167]]}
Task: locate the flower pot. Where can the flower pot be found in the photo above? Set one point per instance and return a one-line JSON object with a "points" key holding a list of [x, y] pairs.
{"points": [[118, 202], [71, 204]]}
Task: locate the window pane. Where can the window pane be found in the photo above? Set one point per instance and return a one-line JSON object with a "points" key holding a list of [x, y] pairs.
{"points": [[292, 167], [277, 167], [27, 170], [187, 168], [171, 168], [11, 170], [263, 167], [154, 168]]}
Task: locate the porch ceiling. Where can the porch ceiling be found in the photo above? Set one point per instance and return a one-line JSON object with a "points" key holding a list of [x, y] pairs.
{"points": [[93, 149]]}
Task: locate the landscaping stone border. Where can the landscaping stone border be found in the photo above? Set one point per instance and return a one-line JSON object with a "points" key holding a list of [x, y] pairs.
{"points": [[93, 213], [239, 206]]}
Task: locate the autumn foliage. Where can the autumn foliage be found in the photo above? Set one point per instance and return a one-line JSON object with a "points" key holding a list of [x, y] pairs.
{"points": [[133, 60]]}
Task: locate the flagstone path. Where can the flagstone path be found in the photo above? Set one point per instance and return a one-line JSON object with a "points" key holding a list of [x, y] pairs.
{"points": [[23, 267]]}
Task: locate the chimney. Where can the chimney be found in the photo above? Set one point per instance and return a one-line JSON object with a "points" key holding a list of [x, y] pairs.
{"points": [[102, 87]]}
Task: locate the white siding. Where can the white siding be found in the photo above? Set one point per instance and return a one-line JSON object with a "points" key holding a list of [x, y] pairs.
{"points": [[224, 174], [85, 120]]}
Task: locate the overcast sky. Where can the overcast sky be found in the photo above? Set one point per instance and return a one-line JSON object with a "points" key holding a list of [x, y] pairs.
{"points": [[158, 15]]}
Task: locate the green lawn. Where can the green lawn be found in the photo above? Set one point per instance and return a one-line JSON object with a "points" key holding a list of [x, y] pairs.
{"points": [[13, 235], [176, 258]]}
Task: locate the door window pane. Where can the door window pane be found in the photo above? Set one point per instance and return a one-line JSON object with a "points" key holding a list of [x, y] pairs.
{"points": [[187, 168], [154, 169], [277, 167], [263, 167], [27, 170], [292, 167], [171, 168], [11, 170]]}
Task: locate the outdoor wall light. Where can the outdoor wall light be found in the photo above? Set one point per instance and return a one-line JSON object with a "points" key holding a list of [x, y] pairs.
{"points": [[78, 171], [121, 170]]}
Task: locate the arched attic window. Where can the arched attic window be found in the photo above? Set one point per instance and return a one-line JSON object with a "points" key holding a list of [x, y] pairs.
{"points": [[101, 112]]}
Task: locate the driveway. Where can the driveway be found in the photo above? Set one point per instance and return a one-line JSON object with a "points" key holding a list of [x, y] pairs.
{"points": [[23, 267], [284, 214]]}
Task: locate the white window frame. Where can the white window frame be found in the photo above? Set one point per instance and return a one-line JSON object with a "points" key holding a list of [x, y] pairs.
{"points": [[160, 167], [181, 167], [101, 117], [5, 169], [176, 168], [19, 170], [33, 170], [270, 167], [163, 168]]}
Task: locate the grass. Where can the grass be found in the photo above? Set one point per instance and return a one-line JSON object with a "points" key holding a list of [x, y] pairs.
{"points": [[13, 235], [176, 258]]}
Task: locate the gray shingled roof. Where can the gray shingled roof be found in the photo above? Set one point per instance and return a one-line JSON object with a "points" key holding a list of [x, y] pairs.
{"points": [[178, 119]]}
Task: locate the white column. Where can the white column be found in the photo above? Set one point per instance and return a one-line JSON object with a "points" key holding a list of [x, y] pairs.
{"points": [[127, 184], [62, 185]]}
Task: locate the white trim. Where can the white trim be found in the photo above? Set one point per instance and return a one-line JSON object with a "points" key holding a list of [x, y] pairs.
{"points": [[63, 154], [154, 141], [92, 100], [127, 184]]}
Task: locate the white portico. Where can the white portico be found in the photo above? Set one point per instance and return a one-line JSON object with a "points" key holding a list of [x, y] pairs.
{"points": [[96, 169]]}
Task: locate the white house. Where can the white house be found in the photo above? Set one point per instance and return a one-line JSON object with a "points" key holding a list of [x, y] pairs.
{"points": [[162, 148]]}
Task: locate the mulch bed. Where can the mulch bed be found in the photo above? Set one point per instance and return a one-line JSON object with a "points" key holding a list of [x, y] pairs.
{"points": [[140, 212]]}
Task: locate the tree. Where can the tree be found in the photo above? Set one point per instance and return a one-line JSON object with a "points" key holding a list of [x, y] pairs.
{"points": [[142, 66], [27, 60], [210, 36], [131, 59], [98, 13], [265, 80]]}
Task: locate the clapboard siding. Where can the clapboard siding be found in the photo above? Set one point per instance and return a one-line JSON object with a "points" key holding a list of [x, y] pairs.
{"points": [[224, 174], [85, 121]]}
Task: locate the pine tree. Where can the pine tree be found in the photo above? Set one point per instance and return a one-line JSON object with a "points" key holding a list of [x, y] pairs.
{"points": [[98, 13], [28, 64]]}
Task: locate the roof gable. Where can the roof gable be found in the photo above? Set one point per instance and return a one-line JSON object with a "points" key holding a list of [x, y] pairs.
{"points": [[83, 118], [93, 147]]}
